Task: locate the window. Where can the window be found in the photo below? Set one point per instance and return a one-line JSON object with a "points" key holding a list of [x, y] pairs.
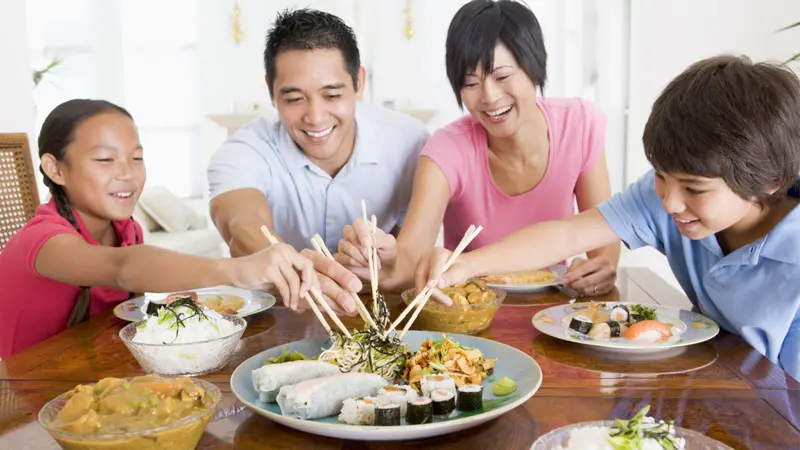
{"points": [[140, 54]]}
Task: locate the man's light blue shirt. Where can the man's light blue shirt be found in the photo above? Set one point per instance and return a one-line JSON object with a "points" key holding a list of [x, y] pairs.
{"points": [[303, 198], [754, 291]]}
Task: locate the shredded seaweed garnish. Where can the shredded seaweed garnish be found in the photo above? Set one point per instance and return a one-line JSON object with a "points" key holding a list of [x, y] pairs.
{"points": [[368, 352], [380, 312], [171, 311]]}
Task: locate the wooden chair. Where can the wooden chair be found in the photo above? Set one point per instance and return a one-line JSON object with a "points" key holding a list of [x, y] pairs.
{"points": [[19, 197]]}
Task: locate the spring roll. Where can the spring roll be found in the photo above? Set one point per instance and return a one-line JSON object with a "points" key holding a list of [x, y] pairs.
{"points": [[268, 380], [323, 397]]}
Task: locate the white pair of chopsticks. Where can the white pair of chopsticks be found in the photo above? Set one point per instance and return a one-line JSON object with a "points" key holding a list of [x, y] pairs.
{"points": [[317, 295], [422, 298]]}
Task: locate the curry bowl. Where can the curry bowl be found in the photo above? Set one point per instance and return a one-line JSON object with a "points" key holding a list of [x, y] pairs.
{"points": [[474, 307], [164, 432]]}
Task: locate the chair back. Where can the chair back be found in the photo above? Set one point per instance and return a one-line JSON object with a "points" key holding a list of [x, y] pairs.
{"points": [[19, 197]]}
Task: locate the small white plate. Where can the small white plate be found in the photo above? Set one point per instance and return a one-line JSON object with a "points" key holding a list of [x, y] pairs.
{"points": [[688, 328], [134, 309], [558, 269]]}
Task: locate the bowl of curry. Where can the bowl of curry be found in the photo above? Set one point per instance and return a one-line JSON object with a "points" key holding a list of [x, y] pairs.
{"points": [[473, 309], [146, 412]]}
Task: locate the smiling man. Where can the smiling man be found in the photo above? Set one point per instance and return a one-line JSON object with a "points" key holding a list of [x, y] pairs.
{"points": [[307, 172]]}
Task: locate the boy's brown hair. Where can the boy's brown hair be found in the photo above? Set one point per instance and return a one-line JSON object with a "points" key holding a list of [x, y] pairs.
{"points": [[727, 117]]}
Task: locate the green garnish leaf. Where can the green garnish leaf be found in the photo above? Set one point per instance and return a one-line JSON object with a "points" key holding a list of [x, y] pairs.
{"points": [[647, 313]]}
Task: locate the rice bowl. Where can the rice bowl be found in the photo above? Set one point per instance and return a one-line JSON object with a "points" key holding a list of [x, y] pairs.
{"points": [[189, 344]]}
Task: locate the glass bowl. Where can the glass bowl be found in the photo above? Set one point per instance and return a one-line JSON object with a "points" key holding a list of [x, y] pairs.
{"points": [[559, 438], [190, 359], [463, 319], [183, 434]]}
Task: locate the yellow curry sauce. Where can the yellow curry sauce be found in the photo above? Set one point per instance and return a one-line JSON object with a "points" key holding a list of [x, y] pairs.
{"points": [[114, 405], [474, 307]]}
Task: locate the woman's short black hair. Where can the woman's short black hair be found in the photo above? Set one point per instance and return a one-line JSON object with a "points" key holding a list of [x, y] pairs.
{"points": [[482, 24]]}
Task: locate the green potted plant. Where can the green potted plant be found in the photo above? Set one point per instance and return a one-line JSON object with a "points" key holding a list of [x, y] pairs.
{"points": [[38, 74]]}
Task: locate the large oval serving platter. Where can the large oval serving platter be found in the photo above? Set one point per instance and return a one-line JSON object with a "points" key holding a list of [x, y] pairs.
{"points": [[510, 363], [688, 328], [133, 310]]}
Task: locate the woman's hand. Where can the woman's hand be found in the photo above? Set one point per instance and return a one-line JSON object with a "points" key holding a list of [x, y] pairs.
{"points": [[352, 252], [595, 276]]}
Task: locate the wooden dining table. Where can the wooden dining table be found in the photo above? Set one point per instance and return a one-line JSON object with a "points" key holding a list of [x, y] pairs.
{"points": [[722, 388]]}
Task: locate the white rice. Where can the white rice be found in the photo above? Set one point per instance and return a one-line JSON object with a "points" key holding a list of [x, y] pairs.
{"points": [[195, 329], [596, 438], [166, 356], [359, 411]]}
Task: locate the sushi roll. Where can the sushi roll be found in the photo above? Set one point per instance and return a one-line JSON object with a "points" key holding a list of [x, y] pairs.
{"points": [[387, 414], [605, 330], [434, 382], [620, 313], [420, 410], [399, 395], [580, 324], [470, 397], [358, 411], [444, 402]]}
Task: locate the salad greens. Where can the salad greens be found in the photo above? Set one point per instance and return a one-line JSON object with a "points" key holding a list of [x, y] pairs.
{"points": [[647, 313], [630, 434]]}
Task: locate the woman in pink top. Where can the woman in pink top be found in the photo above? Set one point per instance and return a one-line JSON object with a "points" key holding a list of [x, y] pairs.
{"points": [[82, 253], [516, 159]]}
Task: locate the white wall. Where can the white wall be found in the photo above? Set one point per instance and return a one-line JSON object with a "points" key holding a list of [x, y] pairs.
{"points": [[16, 85], [666, 37]]}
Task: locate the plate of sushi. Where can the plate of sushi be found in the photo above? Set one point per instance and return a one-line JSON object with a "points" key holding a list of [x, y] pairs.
{"points": [[628, 327], [221, 299], [527, 281], [375, 388]]}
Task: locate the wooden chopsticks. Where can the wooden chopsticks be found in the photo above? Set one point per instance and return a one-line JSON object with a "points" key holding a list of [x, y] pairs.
{"points": [[422, 298], [317, 295], [320, 246]]}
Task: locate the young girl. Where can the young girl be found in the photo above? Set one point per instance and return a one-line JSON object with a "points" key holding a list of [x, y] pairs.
{"points": [[721, 204], [82, 252], [514, 160]]}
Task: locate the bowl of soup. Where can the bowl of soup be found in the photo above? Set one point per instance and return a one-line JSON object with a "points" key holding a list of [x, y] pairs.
{"points": [[143, 413], [473, 309]]}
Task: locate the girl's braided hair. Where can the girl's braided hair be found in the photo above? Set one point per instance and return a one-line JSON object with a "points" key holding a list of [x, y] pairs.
{"points": [[58, 131]]}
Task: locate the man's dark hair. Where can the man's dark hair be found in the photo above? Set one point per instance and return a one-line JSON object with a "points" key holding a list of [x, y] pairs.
{"points": [[482, 24], [309, 29], [727, 117]]}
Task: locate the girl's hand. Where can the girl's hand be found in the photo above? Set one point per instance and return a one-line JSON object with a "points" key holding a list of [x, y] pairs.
{"points": [[352, 252], [595, 276], [278, 266]]}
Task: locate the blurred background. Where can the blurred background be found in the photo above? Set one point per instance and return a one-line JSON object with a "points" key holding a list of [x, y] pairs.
{"points": [[191, 71]]}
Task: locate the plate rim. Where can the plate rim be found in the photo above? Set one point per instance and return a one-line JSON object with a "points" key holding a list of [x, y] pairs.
{"points": [[373, 432], [269, 301], [627, 348], [683, 431]]}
